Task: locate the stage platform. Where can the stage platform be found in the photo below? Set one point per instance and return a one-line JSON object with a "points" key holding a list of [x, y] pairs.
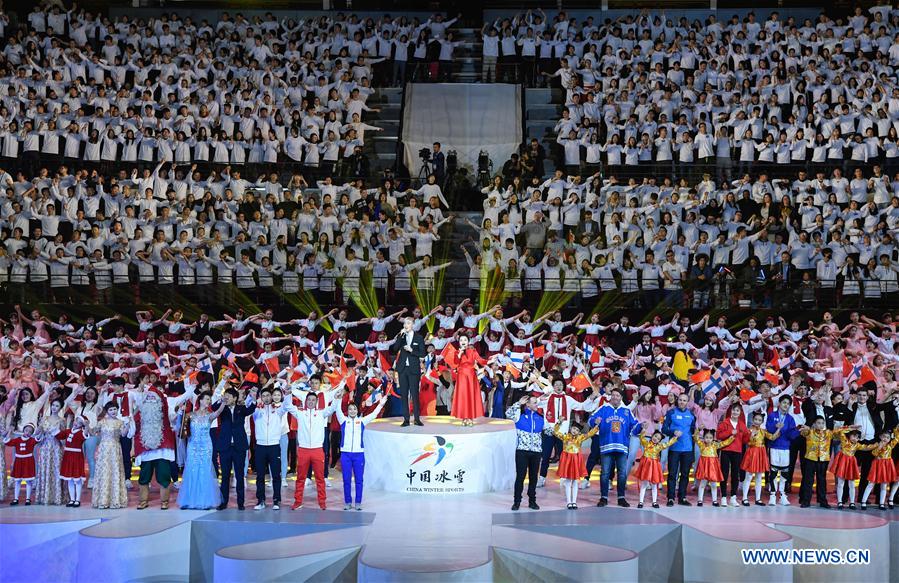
{"points": [[414, 537], [440, 457]]}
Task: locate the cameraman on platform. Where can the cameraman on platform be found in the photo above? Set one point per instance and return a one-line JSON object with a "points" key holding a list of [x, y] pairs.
{"points": [[438, 164]]}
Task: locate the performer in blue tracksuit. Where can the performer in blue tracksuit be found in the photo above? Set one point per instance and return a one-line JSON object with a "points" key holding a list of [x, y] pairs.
{"points": [[352, 449], [679, 422], [779, 452], [616, 423]]}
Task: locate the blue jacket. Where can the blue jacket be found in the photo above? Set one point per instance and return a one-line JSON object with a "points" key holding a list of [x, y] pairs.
{"points": [[615, 427], [683, 421], [787, 433], [530, 422]]}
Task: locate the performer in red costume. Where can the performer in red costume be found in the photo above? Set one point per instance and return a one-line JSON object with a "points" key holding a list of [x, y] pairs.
{"points": [[467, 403], [23, 467], [72, 468]]}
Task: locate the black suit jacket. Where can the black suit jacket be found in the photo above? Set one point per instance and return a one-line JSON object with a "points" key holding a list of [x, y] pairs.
{"points": [[418, 352], [876, 419], [590, 228], [232, 426], [890, 415], [810, 412], [777, 270]]}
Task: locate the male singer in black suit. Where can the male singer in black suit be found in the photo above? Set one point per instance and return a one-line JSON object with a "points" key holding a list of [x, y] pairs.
{"points": [[866, 414], [410, 349], [232, 444]]}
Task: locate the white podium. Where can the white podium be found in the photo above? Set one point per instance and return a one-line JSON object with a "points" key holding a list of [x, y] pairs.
{"points": [[442, 457]]}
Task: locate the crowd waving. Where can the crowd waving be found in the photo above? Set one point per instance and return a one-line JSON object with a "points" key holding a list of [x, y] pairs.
{"points": [[258, 93], [702, 165], [647, 92], [85, 399]]}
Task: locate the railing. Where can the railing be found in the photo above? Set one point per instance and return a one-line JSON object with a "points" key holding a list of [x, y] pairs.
{"points": [[547, 294], [487, 72], [285, 168], [718, 169]]}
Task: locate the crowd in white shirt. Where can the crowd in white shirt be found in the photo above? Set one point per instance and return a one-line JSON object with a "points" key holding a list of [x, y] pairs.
{"points": [[88, 237], [820, 239], [239, 91], [647, 92], [823, 228]]}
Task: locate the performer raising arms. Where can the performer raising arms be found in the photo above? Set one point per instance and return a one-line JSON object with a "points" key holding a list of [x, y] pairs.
{"points": [[48, 487], [199, 484], [109, 486], [883, 469], [844, 466], [154, 443], [312, 419], [528, 429], [649, 471], [572, 464], [23, 467], [352, 448], [708, 469], [755, 460]]}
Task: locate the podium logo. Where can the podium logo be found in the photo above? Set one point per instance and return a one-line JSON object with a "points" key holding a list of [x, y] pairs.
{"points": [[440, 447]]}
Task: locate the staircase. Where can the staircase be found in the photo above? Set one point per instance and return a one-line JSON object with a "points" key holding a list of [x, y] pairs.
{"points": [[543, 108], [381, 147], [455, 235], [467, 56]]}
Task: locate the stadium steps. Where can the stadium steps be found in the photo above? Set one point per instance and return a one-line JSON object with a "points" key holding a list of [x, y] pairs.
{"points": [[539, 96], [543, 108], [384, 144], [386, 95], [541, 113], [389, 111], [381, 146], [467, 56], [454, 237]]}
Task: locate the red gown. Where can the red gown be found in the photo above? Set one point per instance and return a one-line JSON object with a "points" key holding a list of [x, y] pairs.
{"points": [[467, 402]]}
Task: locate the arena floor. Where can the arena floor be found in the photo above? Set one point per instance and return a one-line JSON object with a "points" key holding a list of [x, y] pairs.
{"points": [[402, 537]]}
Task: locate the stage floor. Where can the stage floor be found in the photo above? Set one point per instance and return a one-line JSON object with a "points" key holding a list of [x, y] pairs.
{"points": [[405, 537]]}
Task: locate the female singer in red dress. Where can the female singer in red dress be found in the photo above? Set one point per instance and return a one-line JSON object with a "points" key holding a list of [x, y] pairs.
{"points": [[467, 403]]}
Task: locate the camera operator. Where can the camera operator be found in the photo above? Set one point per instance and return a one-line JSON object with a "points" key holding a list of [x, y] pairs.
{"points": [[438, 164], [512, 168]]}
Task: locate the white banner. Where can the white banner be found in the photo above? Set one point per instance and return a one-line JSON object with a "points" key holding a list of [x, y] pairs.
{"points": [[467, 118], [440, 463]]}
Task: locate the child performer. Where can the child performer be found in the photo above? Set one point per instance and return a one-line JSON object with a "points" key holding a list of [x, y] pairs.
{"points": [[883, 470], [649, 472], [844, 465], [352, 448], [572, 463], [817, 457], [708, 469], [23, 468], [72, 468], [755, 460]]}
